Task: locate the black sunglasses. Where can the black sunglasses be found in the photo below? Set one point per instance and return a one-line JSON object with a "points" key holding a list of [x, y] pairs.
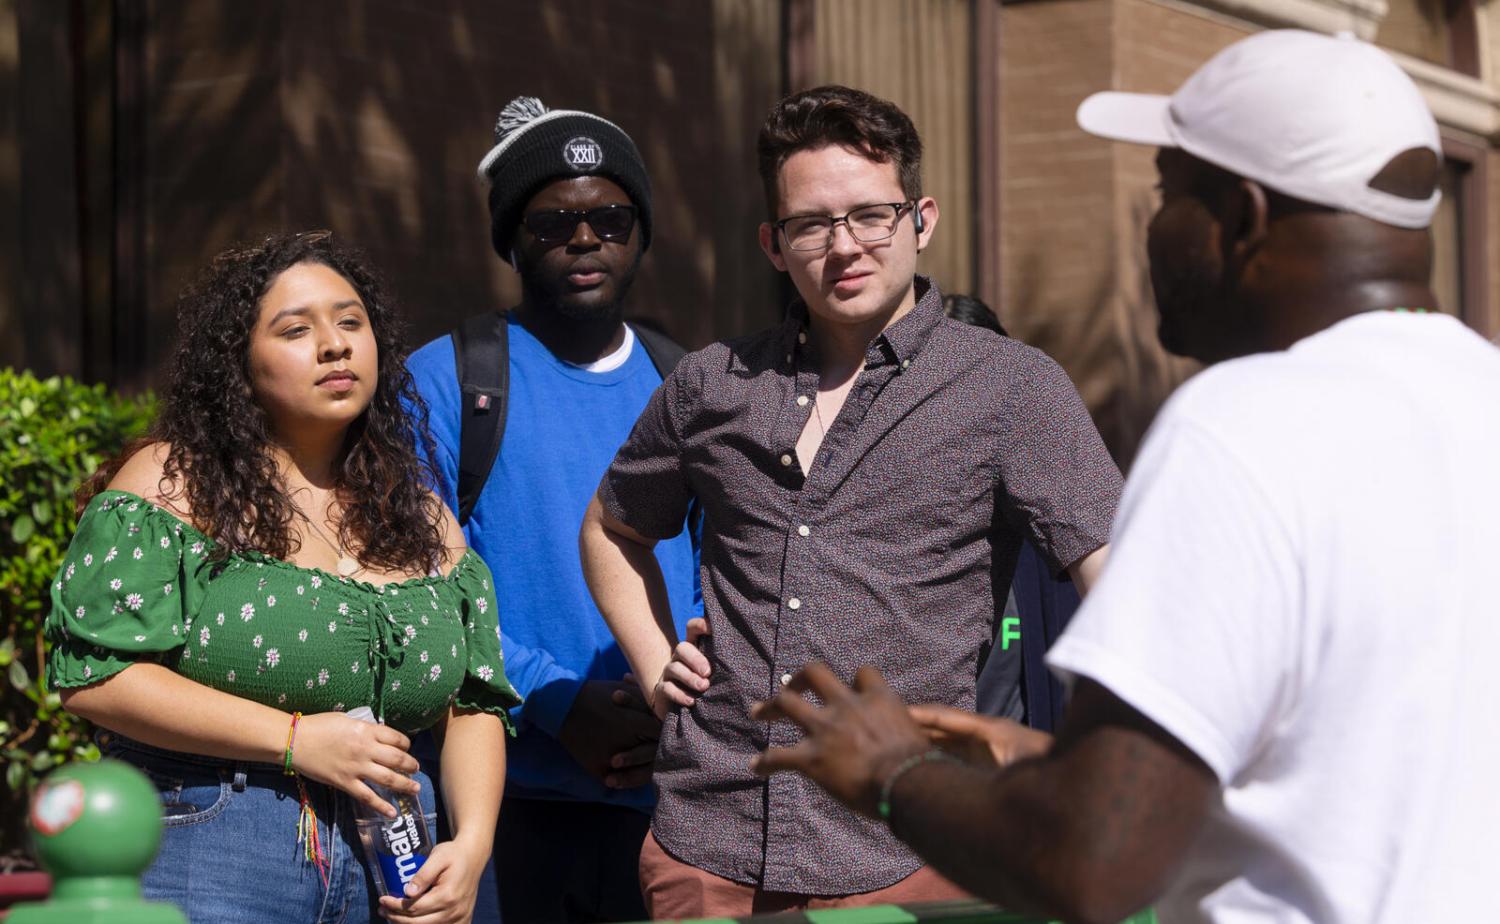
{"points": [[554, 226]]}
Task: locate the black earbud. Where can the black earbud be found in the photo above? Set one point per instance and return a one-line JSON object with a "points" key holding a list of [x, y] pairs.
{"points": [[916, 218]]}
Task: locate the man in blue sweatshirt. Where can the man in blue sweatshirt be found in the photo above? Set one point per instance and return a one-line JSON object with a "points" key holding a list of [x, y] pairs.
{"points": [[570, 207]]}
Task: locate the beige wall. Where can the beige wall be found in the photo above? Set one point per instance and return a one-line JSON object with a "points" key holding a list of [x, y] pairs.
{"points": [[919, 55]]}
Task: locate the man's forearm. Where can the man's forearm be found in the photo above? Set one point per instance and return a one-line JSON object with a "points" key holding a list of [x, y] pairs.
{"points": [[626, 582], [1090, 831], [1085, 572], [989, 831]]}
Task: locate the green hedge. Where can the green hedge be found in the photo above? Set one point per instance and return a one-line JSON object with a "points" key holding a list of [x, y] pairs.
{"points": [[53, 434]]}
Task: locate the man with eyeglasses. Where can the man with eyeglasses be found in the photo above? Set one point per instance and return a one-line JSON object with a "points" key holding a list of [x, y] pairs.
{"points": [[570, 209], [867, 471]]}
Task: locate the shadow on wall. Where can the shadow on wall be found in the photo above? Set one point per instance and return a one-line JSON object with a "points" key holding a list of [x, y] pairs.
{"points": [[369, 118], [1114, 356]]}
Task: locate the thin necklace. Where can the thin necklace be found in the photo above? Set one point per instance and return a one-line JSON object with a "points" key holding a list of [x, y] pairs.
{"points": [[818, 414], [348, 566]]}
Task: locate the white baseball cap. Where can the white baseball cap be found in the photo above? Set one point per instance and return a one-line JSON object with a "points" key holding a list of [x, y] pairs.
{"points": [[1312, 116]]}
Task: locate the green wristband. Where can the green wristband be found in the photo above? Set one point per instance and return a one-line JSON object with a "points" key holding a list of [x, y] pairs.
{"points": [[902, 769]]}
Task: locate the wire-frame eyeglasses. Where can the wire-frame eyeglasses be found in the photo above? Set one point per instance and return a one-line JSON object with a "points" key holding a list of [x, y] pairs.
{"points": [[867, 224]]}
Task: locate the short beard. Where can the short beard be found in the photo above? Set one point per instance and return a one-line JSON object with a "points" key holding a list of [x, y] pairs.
{"points": [[554, 300]]}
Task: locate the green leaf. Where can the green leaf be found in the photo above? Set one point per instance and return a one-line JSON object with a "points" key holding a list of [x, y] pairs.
{"points": [[18, 676], [22, 529], [42, 761], [28, 407], [15, 775], [41, 511]]}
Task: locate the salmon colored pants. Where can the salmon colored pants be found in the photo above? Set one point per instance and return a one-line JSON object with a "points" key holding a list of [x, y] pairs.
{"points": [[675, 890]]}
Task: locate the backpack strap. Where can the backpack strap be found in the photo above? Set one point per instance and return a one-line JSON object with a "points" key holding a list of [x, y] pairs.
{"points": [[481, 355], [664, 352]]}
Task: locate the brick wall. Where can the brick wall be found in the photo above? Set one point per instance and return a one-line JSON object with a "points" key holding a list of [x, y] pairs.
{"points": [[1074, 207]]}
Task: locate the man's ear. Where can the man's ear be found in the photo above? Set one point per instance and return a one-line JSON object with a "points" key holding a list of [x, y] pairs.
{"points": [[927, 207], [1246, 229], [770, 246]]}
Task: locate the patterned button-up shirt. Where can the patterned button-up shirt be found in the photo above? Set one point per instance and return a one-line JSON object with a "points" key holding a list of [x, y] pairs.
{"points": [[896, 549]]}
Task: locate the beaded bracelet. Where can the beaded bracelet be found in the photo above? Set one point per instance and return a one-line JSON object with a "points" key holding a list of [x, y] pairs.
{"points": [[291, 734], [903, 768]]}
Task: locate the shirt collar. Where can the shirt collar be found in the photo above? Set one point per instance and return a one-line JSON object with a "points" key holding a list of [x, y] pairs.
{"points": [[897, 343]]}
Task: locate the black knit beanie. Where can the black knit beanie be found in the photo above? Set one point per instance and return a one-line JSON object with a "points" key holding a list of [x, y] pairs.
{"points": [[535, 145]]}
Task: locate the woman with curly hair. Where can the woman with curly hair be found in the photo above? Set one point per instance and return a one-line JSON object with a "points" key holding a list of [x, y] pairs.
{"points": [[266, 560]]}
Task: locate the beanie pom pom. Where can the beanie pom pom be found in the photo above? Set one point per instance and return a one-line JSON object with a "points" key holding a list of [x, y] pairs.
{"points": [[516, 114]]}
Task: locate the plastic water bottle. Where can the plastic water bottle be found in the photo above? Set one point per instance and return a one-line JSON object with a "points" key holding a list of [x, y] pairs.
{"points": [[396, 847]]}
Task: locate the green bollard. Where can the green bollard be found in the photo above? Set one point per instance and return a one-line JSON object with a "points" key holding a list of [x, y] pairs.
{"points": [[96, 828]]}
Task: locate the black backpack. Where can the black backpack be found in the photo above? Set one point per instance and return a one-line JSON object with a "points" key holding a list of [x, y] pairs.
{"points": [[481, 353]]}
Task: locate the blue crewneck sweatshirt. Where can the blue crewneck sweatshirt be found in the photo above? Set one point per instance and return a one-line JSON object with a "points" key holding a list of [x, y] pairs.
{"points": [[563, 427]]}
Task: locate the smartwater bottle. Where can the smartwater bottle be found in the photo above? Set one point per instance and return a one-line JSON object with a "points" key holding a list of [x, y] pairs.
{"points": [[396, 847]]}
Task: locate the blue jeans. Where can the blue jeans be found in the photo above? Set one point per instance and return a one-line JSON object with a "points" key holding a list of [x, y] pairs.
{"points": [[229, 851]]}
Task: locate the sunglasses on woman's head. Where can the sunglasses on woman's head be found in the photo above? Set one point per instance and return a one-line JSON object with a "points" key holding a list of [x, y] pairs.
{"points": [[555, 226]]}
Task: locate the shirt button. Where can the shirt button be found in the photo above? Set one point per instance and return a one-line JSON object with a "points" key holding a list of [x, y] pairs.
{"points": [[802, 337], [786, 679], [802, 400], [794, 604], [905, 363], [803, 530], [786, 460]]}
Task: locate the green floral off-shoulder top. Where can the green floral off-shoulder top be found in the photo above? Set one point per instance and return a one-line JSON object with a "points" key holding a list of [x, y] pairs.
{"points": [[137, 585]]}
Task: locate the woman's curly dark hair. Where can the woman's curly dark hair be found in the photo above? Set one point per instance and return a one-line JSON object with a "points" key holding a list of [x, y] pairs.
{"points": [[220, 438]]}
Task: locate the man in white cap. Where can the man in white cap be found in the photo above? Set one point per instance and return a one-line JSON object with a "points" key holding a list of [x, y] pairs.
{"points": [[1283, 683]]}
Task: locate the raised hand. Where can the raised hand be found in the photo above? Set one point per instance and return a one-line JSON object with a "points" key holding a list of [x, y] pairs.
{"points": [[852, 743], [981, 740]]}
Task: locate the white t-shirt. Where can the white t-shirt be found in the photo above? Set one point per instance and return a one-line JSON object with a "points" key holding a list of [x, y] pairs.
{"points": [[1302, 589]]}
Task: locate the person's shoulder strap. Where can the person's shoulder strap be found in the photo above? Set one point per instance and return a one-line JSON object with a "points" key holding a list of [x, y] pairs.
{"points": [[665, 353], [481, 354]]}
